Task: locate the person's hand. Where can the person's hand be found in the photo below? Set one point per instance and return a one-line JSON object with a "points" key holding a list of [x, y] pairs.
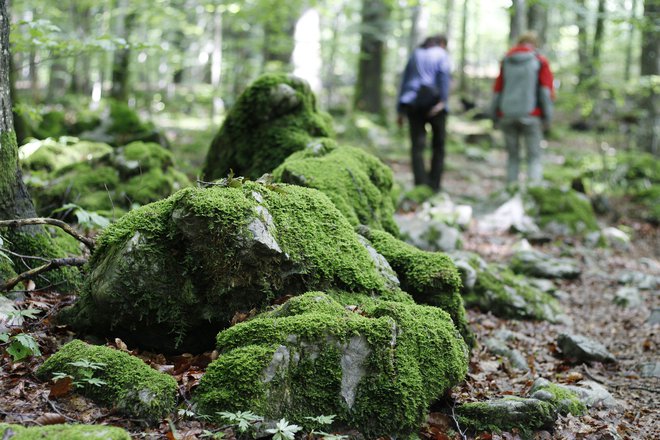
{"points": [[399, 120], [436, 109]]}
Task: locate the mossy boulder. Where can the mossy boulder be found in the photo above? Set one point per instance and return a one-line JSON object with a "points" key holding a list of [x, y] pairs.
{"points": [[357, 182], [561, 210], [97, 177], [62, 432], [538, 264], [497, 289], [377, 370], [430, 277], [129, 384], [275, 117], [171, 274]]}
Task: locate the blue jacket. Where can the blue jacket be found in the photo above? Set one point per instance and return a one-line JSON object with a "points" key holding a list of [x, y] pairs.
{"points": [[427, 66]]}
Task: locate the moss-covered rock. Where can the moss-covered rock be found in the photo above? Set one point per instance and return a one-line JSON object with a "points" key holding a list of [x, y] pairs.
{"points": [[562, 210], [497, 289], [97, 177], [358, 183], [377, 370], [524, 414], [430, 277], [537, 264], [274, 117], [564, 399], [171, 274], [129, 385], [62, 432]]}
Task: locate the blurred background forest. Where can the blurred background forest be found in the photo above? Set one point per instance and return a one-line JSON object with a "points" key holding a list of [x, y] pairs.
{"points": [[184, 62]]}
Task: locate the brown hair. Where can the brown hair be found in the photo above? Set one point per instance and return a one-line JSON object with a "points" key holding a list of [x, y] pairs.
{"points": [[529, 37], [434, 40]]}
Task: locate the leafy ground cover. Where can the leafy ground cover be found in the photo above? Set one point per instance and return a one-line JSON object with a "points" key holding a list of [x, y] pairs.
{"points": [[588, 301]]}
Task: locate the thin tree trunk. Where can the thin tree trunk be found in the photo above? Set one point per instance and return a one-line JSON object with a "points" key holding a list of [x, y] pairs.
{"points": [[464, 28], [598, 41], [518, 19], [650, 62], [216, 60], [369, 87], [584, 70], [449, 18], [122, 57], [631, 37], [537, 20], [414, 36]]}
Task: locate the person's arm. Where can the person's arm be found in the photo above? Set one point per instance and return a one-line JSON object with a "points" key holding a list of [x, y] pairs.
{"points": [[405, 78], [498, 86], [443, 84], [546, 91]]}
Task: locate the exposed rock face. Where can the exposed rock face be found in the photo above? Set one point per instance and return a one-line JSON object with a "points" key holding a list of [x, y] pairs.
{"points": [[171, 274], [130, 385], [377, 370], [275, 117], [583, 349], [537, 264], [358, 183]]}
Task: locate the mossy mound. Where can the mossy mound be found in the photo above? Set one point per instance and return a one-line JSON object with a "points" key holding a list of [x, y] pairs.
{"points": [[562, 210], [62, 432], [97, 177], [129, 385], [358, 183], [377, 371], [497, 289], [430, 277], [171, 274], [274, 117]]}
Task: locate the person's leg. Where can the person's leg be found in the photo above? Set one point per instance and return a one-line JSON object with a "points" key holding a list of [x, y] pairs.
{"points": [[532, 131], [417, 124], [439, 127], [510, 130]]}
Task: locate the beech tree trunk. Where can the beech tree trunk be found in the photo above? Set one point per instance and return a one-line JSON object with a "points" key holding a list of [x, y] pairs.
{"points": [[122, 57], [518, 19], [369, 87]]}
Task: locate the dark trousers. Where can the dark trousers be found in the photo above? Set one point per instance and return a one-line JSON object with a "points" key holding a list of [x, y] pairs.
{"points": [[438, 123]]}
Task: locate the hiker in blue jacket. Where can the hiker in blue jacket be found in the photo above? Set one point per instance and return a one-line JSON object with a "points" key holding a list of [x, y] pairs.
{"points": [[423, 100]]}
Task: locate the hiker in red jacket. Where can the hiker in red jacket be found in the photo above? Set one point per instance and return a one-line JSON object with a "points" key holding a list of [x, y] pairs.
{"points": [[522, 105]]}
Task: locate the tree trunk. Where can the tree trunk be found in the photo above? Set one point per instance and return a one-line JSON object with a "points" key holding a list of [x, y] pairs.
{"points": [[449, 16], [650, 62], [584, 70], [598, 42], [122, 57], [518, 19], [369, 87], [216, 61], [15, 201], [278, 40], [414, 37], [464, 23], [631, 37], [537, 20]]}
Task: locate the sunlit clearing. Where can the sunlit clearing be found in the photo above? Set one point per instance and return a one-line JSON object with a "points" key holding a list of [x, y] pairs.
{"points": [[307, 51]]}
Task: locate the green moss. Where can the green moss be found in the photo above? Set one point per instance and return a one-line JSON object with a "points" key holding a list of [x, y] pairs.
{"points": [[146, 155], [430, 277], [51, 155], [563, 399], [358, 183], [62, 432], [274, 117], [419, 194], [304, 358], [130, 385], [149, 187], [525, 415], [563, 206], [52, 124], [187, 264], [125, 120], [508, 295]]}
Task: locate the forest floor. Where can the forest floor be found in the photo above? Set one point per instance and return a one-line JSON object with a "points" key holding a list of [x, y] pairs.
{"points": [[589, 302]]}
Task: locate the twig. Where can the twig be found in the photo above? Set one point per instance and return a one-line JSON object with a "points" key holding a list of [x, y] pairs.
{"points": [[29, 257], [53, 222], [52, 264], [57, 410], [458, 426]]}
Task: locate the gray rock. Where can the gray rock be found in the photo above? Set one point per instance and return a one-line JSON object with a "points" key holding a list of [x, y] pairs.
{"points": [[353, 358], [654, 317], [441, 208], [589, 393], [538, 264], [583, 349], [649, 369], [543, 284], [381, 263], [640, 280], [508, 413], [500, 348], [428, 235], [509, 216], [628, 297]]}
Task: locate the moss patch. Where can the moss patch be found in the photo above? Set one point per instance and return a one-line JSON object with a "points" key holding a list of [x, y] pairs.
{"points": [[430, 277], [563, 206], [377, 371], [358, 183], [175, 272], [62, 432], [130, 385], [274, 117], [525, 415]]}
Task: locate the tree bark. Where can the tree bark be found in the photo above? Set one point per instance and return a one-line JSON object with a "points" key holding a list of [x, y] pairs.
{"points": [[122, 57], [369, 87], [449, 15], [631, 37], [650, 62], [518, 19], [598, 42], [537, 21], [464, 26], [584, 70]]}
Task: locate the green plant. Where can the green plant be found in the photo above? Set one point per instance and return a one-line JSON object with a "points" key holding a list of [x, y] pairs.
{"points": [[87, 219], [243, 420], [324, 421], [20, 345], [84, 374], [284, 431], [212, 435]]}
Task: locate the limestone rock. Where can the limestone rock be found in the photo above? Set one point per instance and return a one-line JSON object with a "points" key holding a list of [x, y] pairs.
{"points": [[628, 297], [538, 264], [428, 235], [589, 393], [583, 349]]}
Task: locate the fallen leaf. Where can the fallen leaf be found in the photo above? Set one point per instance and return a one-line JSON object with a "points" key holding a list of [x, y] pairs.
{"points": [[61, 388], [574, 376], [121, 345], [50, 419]]}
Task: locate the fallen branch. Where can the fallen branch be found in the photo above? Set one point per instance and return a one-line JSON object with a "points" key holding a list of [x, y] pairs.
{"points": [[15, 223], [52, 264]]}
